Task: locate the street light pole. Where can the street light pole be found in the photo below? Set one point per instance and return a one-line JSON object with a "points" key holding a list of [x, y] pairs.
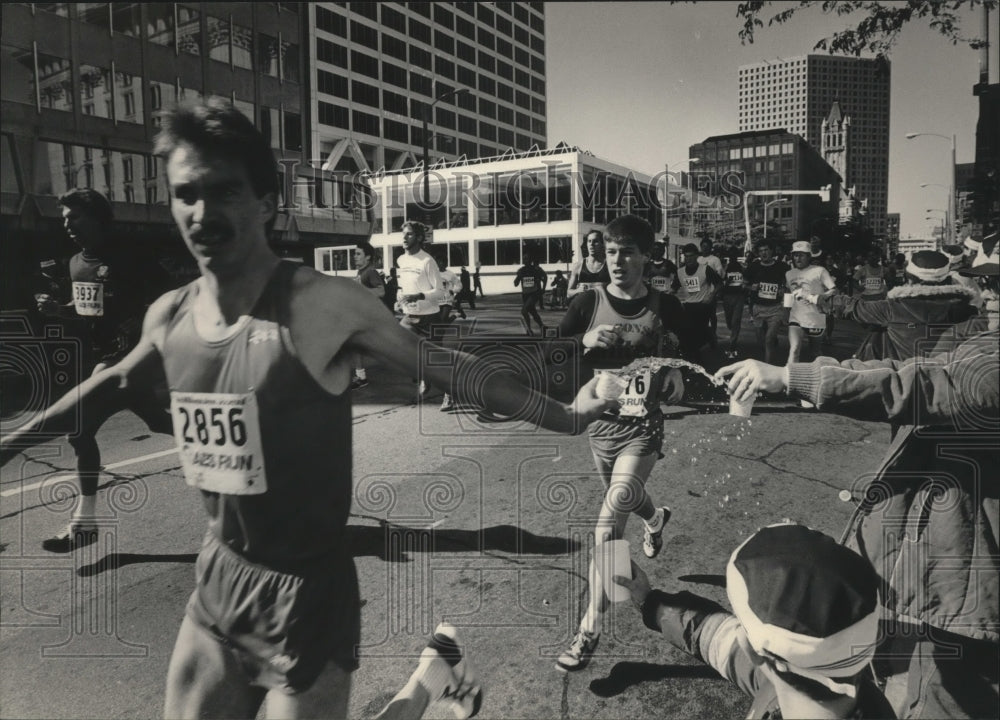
{"points": [[952, 229], [426, 142]]}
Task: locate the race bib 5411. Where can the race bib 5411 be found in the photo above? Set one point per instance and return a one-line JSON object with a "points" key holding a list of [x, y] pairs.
{"points": [[88, 298], [692, 284], [218, 437]]}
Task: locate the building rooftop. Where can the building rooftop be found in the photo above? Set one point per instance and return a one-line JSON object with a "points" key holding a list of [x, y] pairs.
{"points": [[746, 135]]}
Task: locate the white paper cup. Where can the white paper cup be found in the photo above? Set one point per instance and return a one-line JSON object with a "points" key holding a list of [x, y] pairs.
{"points": [[788, 300], [609, 386], [612, 558], [741, 409]]}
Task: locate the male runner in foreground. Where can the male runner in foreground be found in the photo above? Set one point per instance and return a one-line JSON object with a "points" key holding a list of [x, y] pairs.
{"points": [[257, 353]]}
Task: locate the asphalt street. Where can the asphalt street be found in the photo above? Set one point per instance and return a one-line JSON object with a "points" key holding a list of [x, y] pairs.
{"points": [[486, 525]]}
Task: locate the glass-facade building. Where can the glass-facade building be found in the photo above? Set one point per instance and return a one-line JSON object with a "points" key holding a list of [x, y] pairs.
{"points": [[493, 212]]}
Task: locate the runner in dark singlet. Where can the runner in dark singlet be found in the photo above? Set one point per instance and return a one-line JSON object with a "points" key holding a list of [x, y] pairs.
{"points": [[591, 270], [615, 325], [111, 287], [257, 355]]}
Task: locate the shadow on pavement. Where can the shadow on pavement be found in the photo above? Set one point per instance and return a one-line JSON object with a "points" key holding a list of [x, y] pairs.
{"points": [[119, 560], [716, 580], [392, 543], [626, 674]]}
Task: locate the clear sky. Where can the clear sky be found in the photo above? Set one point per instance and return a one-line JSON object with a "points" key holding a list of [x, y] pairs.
{"points": [[638, 83]]}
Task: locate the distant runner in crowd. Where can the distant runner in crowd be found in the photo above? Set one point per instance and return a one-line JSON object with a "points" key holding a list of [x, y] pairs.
{"points": [[699, 285], [733, 301], [532, 280], [765, 278], [806, 324], [590, 271], [369, 278]]}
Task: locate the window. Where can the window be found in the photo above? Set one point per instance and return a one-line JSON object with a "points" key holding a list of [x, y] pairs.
{"points": [[445, 118], [394, 47], [94, 14], [331, 84], [128, 98], [395, 131], [487, 131], [364, 93], [394, 103], [393, 74], [393, 19], [443, 16], [420, 31], [160, 23], [421, 84], [242, 47], [125, 19], [364, 64], [466, 52], [188, 30], [331, 22], [365, 123], [444, 42], [293, 131], [334, 115], [94, 87], [218, 39], [504, 25], [484, 14], [487, 84], [505, 70], [465, 28], [267, 53], [420, 58], [364, 35], [487, 108], [444, 68], [487, 61], [365, 9], [467, 124]]}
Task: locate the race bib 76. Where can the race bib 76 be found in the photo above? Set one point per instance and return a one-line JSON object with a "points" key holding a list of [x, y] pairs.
{"points": [[218, 438], [633, 400]]}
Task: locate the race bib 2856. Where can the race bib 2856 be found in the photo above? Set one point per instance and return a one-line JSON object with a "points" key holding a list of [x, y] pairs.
{"points": [[218, 438]]}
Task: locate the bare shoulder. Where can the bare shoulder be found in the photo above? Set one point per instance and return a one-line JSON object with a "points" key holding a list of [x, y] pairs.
{"points": [[337, 306], [162, 310], [309, 286]]}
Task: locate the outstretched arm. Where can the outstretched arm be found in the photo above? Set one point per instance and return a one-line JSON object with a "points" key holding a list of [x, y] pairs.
{"points": [[98, 397], [938, 391]]}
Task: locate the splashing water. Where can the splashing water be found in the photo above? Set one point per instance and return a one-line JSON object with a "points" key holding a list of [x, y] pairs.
{"points": [[652, 364]]}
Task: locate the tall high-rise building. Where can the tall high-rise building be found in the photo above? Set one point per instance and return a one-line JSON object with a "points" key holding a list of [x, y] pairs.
{"points": [[797, 94], [474, 71]]}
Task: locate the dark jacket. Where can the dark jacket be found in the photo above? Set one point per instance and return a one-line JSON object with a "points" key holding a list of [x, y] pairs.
{"points": [[929, 519], [908, 321]]}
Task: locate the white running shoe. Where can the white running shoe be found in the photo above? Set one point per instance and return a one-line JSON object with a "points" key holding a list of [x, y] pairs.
{"points": [[463, 694], [579, 652]]}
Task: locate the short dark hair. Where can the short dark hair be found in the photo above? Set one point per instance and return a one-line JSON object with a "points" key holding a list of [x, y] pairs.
{"points": [[690, 248], [631, 228], [419, 229], [766, 243], [367, 249], [90, 202], [216, 127]]}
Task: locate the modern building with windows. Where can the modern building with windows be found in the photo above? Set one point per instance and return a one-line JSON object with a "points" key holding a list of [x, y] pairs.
{"points": [[492, 212], [891, 233], [764, 160], [472, 73], [81, 84], [797, 94]]}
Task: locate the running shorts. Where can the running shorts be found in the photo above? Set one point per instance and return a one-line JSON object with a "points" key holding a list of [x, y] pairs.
{"points": [[770, 314], [282, 628], [612, 436]]}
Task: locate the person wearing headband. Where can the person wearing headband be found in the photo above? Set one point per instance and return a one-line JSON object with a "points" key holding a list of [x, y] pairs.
{"points": [[911, 316], [802, 630]]}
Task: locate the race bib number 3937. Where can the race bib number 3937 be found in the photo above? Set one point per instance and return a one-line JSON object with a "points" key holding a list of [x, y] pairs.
{"points": [[88, 298], [218, 438]]}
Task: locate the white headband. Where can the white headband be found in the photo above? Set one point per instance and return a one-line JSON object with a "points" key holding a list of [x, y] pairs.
{"points": [[927, 274], [843, 654]]}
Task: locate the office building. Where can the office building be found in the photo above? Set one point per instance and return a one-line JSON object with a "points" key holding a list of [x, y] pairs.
{"points": [[81, 86], [797, 94], [891, 233], [764, 161], [496, 209]]}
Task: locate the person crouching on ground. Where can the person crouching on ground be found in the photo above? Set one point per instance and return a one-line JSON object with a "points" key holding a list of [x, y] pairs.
{"points": [[802, 631]]}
